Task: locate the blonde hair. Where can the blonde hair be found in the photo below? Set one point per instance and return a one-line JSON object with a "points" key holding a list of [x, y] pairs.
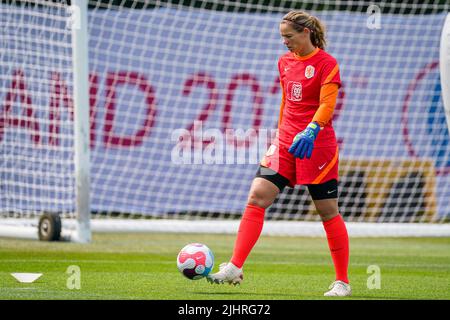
{"points": [[300, 20]]}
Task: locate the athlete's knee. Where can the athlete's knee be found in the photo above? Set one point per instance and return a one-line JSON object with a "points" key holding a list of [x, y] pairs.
{"points": [[262, 193], [325, 216], [327, 208], [259, 200]]}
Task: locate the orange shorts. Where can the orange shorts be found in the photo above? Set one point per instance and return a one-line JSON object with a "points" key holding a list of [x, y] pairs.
{"points": [[320, 168]]}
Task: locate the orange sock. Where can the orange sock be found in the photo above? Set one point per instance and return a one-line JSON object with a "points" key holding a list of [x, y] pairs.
{"points": [[249, 231], [338, 243]]}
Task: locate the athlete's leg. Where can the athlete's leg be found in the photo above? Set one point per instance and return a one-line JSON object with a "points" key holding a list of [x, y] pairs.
{"points": [[263, 191], [327, 208], [262, 194], [326, 202]]}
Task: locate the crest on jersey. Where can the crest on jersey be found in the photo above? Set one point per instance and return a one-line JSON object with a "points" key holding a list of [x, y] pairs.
{"points": [[294, 91], [309, 72]]}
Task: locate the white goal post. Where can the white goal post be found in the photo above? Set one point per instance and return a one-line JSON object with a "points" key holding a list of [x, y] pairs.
{"points": [[152, 116], [79, 10]]}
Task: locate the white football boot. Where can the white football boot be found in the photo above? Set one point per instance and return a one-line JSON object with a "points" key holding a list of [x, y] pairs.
{"points": [[228, 272], [339, 289]]}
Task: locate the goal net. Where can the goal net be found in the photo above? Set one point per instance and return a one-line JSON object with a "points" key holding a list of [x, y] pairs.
{"points": [[183, 102]]}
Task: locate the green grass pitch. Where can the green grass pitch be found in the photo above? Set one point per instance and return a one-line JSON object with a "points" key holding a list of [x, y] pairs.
{"points": [[143, 266]]}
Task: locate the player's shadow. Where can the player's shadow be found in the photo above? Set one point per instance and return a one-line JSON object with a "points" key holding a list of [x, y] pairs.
{"points": [[381, 297], [243, 293], [283, 296]]}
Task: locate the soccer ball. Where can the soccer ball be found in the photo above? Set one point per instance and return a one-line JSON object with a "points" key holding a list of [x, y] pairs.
{"points": [[195, 261]]}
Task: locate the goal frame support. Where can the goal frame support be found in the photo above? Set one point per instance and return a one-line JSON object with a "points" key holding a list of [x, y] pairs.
{"points": [[79, 10], [16, 228]]}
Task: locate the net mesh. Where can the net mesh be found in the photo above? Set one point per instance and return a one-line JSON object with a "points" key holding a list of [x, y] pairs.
{"points": [[36, 131], [184, 102]]}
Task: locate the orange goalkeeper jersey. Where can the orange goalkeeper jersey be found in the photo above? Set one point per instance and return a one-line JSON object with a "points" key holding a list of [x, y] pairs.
{"points": [[302, 79]]}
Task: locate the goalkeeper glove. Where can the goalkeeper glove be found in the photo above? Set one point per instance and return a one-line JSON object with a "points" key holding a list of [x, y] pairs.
{"points": [[303, 142]]}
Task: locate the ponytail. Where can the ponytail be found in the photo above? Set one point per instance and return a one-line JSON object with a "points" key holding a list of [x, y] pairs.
{"points": [[300, 20]]}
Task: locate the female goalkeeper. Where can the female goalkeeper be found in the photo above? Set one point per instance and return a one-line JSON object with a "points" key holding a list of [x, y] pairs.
{"points": [[304, 152]]}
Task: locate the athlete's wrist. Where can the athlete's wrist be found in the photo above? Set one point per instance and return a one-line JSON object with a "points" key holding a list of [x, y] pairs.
{"points": [[314, 127]]}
